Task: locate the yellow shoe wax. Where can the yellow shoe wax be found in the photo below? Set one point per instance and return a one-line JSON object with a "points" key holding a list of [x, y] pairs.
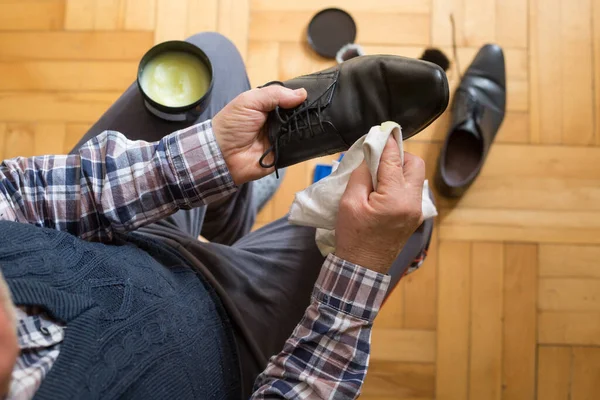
{"points": [[175, 79]]}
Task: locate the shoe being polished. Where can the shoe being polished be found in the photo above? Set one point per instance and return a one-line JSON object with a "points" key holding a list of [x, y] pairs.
{"points": [[478, 109], [345, 101]]}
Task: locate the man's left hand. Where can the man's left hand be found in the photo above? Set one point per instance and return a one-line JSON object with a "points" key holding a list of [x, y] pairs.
{"points": [[241, 132]]}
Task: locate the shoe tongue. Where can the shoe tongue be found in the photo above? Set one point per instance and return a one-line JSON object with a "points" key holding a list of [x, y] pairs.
{"points": [[469, 125]]}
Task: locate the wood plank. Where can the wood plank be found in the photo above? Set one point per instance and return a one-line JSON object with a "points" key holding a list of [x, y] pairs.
{"points": [[500, 192], [569, 328], [67, 75], [563, 294], [290, 26], [585, 375], [517, 95], [202, 16], [520, 325], [403, 345], [554, 372], [485, 366], [394, 398], [109, 14], [441, 27], [569, 261], [49, 138], [85, 46], [535, 108], [2, 140], [352, 6], [532, 172], [420, 291], [520, 225], [140, 15], [515, 128], [596, 34], [539, 161], [263, 62], [19, 141], [297, 59], [577, 67], [390, 28], [233, 21], [168, 23], [73, 133], [479, 22], [562, 49], [79, 14], [546, 77], [58, 107], [375, 28], [454, 289], [18, 15], [265, 215], [511, 23], [391, 315], [404, 51], [399, 380]]}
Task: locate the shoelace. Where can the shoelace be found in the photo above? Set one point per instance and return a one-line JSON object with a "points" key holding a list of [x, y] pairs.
{"points": [[297, 122]]}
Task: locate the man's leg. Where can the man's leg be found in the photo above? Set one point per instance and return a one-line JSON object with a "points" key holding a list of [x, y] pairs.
{"points": [[265, 281], [129, 116]]}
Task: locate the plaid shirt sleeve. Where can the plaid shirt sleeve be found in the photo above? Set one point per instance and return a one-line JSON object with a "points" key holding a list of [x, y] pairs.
{"points": [[115, 185], [328, 353]]}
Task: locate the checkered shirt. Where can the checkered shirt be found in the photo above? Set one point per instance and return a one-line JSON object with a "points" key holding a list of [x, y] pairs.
{"points": [[116, 185]]}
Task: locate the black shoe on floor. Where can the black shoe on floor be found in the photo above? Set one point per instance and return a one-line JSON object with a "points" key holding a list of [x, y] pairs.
{"points": [[478, 109], [345, 101]]}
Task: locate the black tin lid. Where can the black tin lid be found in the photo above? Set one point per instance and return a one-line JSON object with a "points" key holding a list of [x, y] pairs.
{"points": [[329, 30]]}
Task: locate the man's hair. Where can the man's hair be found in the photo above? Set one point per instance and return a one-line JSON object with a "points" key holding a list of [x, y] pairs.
{"points": [[6, 301]]}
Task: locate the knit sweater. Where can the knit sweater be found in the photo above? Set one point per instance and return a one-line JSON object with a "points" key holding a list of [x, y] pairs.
{"points": [[140, 323]]}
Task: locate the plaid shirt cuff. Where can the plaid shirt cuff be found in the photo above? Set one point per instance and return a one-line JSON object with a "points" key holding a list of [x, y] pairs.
{"points": [[350, 288], [197, 161]]}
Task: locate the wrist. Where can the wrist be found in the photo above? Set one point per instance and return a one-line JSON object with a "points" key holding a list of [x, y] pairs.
{"points": [[375, 262]]}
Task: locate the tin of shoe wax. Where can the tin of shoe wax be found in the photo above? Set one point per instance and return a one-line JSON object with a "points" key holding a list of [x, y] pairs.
{"points": [[329, 30], [176, 80]]}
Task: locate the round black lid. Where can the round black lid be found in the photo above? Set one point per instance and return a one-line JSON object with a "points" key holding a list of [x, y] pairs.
{"points": [[329, 30]]}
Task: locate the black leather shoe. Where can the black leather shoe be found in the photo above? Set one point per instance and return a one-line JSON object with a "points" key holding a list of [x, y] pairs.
{"points": [[345, 101], [478, 109]]}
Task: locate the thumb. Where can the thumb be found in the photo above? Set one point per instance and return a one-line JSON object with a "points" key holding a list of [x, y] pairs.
{"points": [[360, 184], [272, 96]]}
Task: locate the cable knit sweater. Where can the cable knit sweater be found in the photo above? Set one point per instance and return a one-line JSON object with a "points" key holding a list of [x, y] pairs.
{"points": [[138, 332]]}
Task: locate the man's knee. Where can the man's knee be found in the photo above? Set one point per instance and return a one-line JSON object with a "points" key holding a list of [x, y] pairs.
{"points": [[212, 40]]}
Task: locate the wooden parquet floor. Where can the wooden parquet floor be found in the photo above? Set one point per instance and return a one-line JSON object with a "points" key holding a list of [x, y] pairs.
{"points": [[507, 305]]}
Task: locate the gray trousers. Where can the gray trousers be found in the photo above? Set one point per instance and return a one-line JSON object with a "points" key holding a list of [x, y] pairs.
{"points": [[264, 278]]}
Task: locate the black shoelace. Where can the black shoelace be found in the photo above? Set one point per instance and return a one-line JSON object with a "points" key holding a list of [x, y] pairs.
{"points": [[297, 122]]}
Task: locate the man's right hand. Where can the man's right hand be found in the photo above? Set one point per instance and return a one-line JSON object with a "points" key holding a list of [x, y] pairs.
{"points": [[373, 225]]}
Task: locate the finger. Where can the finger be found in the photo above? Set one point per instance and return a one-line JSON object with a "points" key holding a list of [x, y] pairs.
{"points": [[390, 172], [360, 184], [272, 96], [414, 170]]}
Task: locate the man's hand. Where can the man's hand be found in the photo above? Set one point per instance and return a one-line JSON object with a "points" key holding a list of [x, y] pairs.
{"points": [[373, 226], [241, 132]]}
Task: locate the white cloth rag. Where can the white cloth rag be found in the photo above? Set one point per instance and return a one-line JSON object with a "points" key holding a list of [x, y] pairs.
{"points": [[318, 205]]}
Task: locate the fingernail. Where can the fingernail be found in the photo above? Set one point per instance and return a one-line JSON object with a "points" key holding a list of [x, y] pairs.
{"points": [[299, 92]]}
